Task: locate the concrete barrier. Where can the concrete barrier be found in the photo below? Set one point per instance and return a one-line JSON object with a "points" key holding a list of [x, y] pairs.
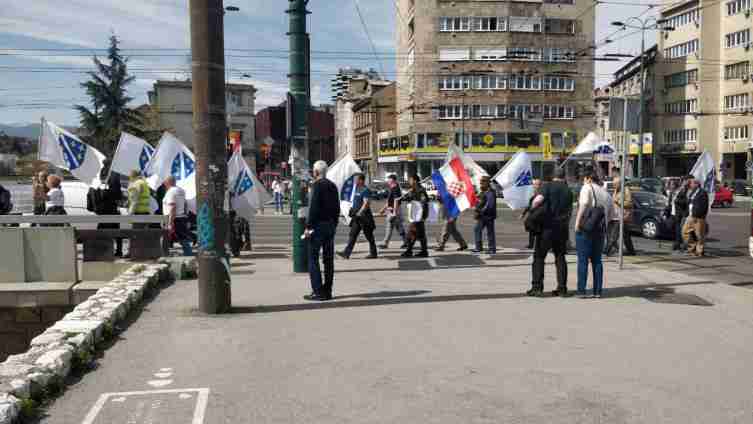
{"points": [[38, 254], [12, 268]]}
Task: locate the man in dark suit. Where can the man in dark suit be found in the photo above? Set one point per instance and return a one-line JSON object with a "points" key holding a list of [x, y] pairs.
{"points": [[321, 226], [694, 231]]}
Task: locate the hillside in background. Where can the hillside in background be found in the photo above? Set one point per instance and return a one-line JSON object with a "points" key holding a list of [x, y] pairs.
{"points": [[29, 131]]}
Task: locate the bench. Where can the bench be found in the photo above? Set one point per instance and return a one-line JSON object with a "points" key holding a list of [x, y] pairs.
{"points": [[145, 243]]}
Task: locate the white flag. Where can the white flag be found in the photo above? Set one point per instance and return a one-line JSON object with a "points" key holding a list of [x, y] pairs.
{"points": [[593, 144], [342, 174], [173, 158], [64, 150], [132, 154], [516, 179], [704, 172], [247, 193], [475, 171]]}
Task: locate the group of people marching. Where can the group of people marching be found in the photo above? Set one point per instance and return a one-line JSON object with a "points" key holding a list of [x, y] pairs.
{"points": [[597, 226]]}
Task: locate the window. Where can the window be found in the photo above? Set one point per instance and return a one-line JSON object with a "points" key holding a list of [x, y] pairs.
{"points": [[523, 54], [682, 50], [680, 136], [559, 26], [736, 133], [490, 82], [737, 6], [452, 111], [737, 39], [524, 24], [515, 110], [454, 55], [454, 24], [484, 111], [552, 83], [681, 79], [560, 1], [682, 107], [736, 102], [559, 55], [736, 70], [454, 82], [684, 18], [489, 24], [524, 82], [559, 112], [490, 54]]}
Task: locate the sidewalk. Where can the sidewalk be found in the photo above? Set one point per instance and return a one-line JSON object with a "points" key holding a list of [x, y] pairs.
{"points": [[445, 340]]}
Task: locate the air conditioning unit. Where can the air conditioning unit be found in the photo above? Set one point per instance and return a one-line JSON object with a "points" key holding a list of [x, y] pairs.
{"points": [[697, 23], [665, 90], [747, 13], [747, 47], [666, 34], [697, 86], [745, 78]]}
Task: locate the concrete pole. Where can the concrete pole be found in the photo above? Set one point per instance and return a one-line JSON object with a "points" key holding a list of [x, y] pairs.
{"points": [[298, 82], [642, 105], [209, 134]]}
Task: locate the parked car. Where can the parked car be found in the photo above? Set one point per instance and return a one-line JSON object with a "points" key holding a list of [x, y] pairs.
{"points": [[648, 215], [723, 197], [652, 185], [378, 190]]}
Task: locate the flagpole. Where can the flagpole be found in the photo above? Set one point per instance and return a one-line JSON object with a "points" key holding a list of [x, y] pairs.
{"points": [[114, 155]]}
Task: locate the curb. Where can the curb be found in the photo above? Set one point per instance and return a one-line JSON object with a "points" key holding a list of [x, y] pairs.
{"points": [[29, 377]]}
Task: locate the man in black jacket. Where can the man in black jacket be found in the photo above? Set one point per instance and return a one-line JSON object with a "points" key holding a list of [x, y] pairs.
{"points": [[694, 231], [321, 226], [677, 211], [557, 198], [107, 199], [361, 219], [417, 229], [486, 214]]}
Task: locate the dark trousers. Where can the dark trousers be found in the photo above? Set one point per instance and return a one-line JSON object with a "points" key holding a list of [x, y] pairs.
{"points": [[417, 233], [323, 238], [531, 239], [478, 230], [182, 236], [613, 239], [356, 226], [677, 222], [554, 239], [118, 241], [451, 230], [589, 248]]}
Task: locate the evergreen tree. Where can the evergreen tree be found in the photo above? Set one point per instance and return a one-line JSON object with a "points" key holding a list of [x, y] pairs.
{"points": [[110, 114]]}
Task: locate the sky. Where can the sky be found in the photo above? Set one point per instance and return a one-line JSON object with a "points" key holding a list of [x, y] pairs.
{"points": [[46, 47]]}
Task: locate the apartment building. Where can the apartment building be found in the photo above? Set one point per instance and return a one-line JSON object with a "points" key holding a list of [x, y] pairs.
{"points": [[707, 88], [372, 115], [494, 77], [350, 85]]}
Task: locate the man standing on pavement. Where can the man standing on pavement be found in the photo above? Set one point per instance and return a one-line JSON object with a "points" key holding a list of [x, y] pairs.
{"points": [[450, 228], [536, 191], [107, 199], [393, 218], [361, 219], [321, 226], [677, 210], [418, 227], [613, 228], [278, 189], [590, 227], [486, 214], [694, 231], [556, 197], [174, 207]]}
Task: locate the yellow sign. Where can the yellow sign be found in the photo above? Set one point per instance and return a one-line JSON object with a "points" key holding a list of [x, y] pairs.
{"points": [[648, 143], [634, 149], [546, 139], [488, 139]]}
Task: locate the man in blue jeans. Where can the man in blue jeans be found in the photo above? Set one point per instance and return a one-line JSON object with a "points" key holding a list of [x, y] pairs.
{"points": [[590, 244], [486, 214], [321, 226]]}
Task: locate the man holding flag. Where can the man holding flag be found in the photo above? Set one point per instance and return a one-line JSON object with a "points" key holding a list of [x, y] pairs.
{"points": [[694, 231], [131, 153]]}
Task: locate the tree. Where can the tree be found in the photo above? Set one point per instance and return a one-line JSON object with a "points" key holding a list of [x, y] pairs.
{"points": [[110, 114]]}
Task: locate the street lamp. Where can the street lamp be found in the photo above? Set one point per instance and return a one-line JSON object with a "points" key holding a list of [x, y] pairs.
{"points": [[643, 25]]}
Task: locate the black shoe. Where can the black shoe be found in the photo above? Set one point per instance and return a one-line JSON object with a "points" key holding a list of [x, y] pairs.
{"points": [[462, 248], [535, 293], [562, 292], [422, 254], [407, 254], [629, 253], [403, 246], [439, 248], [371, 257], [383, 246], [313, 297], [342, 255], [491, 252], [529, 247]]}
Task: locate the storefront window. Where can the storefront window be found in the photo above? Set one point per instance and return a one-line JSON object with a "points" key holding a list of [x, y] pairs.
{"points": [[523, 140]]}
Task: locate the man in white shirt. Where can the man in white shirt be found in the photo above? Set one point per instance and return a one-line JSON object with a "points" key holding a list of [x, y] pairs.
{"points": [[590, 244], [278, 189], [174, 207]]}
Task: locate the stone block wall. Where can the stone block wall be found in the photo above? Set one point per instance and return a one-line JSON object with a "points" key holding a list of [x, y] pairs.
{"points": [[19, 325]]}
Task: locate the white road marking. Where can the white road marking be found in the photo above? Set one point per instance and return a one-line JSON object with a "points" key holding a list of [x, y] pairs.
{"points": [[119, 399], [185, 396], [198, 414], [159, 383], [166, 369], [163, 374]]}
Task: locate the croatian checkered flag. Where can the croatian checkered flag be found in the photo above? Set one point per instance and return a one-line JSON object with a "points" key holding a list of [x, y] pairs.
{"points": [[64, 150], [516, 179]]}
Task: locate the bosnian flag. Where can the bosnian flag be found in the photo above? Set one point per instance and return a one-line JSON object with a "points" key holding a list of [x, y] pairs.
{"points": [[172, 157], [64, 150], [132, 154], [516, 179], [704, 172], [342, 173], [454, 186], [592, 144], [247, 193]]}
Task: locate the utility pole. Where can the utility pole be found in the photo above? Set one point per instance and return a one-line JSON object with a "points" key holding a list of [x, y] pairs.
{"points": [[209, 134], [298, 83]]}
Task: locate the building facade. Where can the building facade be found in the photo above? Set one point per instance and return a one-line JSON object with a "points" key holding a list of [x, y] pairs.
{"points": [[495, 77], [372, 116], [706, 86], [173, 103]]}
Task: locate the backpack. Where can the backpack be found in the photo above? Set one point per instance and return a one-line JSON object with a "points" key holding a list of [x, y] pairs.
{"points": [[5, 203]]}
